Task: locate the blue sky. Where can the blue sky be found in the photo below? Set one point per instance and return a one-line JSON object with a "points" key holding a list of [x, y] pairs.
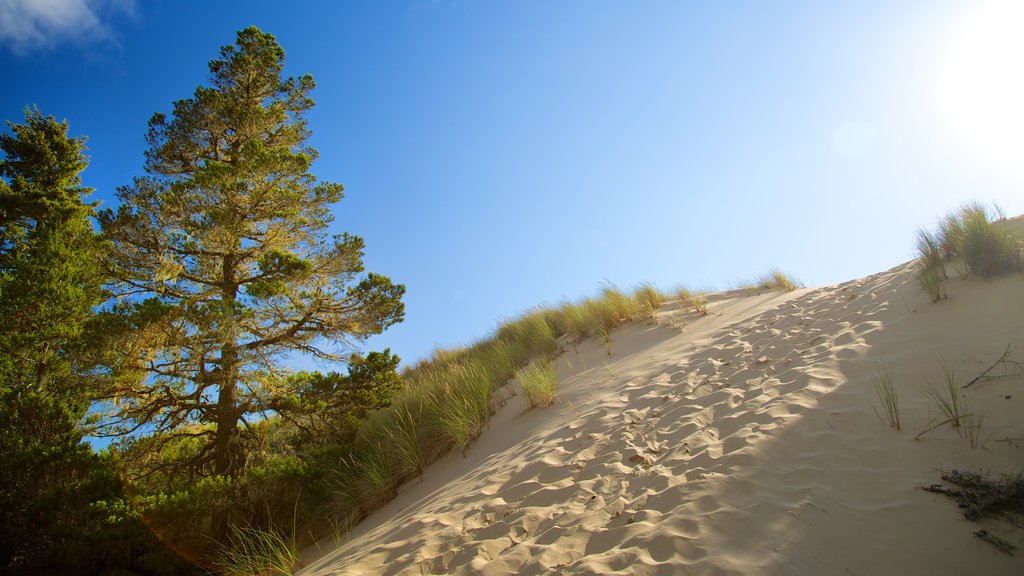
{"points": [[499, 155]]}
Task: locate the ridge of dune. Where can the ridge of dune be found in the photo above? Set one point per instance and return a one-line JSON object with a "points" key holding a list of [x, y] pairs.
{"points": [[743, 442]]}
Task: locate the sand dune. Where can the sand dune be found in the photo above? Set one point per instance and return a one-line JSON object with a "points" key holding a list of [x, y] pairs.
{"points": [[743, 442]]}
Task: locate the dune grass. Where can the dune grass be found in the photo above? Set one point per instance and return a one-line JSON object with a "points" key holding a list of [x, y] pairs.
{"points": [[888, 398], [698, 301], [538, 382], [972, 235], [447, 401], [947, 399], [952, 408], [774, 280], [648, 300], [930, 266], [257, 551]]}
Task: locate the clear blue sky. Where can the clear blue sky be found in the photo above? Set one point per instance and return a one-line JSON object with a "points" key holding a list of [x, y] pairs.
{"points": [[498, 155]]}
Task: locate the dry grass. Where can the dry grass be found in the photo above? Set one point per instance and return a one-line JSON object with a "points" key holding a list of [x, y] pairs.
{"points": [[698, 301], [774, 280]]}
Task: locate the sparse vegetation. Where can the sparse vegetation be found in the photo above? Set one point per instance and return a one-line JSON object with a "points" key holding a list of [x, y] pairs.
{"points": [[972, 428], [888, 398], [947, 399], [952, 408], [446, 402], [774, 280], [696, 300], [606, 341]]}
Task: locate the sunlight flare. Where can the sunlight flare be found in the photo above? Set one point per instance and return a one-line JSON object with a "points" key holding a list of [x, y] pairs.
{"points": [[981, 90]]}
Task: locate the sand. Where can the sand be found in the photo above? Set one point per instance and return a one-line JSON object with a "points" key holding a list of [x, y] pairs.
{"points": [[743, 442]]}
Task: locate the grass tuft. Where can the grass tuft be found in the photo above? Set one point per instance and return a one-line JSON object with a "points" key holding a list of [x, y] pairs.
{"points": [[952, 407], [888, 398], [931, 269], [257, 551], [774, 280], [648, 299], [986, 247], [539, 383], [947, 398], [698, 301]]}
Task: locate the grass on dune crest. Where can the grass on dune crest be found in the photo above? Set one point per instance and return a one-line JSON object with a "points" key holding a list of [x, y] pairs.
{"points": [[774, 280], [697, 300], [648, 300], [447, 400], [982, 241]]}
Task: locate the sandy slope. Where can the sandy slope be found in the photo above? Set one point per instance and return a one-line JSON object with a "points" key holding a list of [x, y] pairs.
{"points": [[743, 443]]}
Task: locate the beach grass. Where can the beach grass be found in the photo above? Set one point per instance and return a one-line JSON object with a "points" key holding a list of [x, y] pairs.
{"points": [[951, 406], [930, 267], [773, 280], [538, 382], [697, 300], [888, 398], [980, 239], [258, 551]]}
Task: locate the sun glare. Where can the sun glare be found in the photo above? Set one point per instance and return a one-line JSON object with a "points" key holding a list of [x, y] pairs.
{"points": [[981, 91]]}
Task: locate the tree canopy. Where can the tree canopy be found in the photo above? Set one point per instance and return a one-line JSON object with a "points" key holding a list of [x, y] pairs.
{"points": [[223, 262]]}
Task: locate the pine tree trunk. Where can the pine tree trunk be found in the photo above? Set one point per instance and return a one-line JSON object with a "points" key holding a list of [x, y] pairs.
{"points": [[227, 411]]}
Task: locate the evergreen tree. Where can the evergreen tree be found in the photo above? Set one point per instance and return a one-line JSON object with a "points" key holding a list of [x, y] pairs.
{"points": [[50, 281], [223, 260]]}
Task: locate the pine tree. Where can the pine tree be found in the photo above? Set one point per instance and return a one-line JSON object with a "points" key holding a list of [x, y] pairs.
{"points": [[223, 260], [50, 281]]}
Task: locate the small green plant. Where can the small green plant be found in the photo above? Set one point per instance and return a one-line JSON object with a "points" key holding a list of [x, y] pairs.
{"points": [[538, 382], [606, 340], [972, 428], [888, 398], [931, 270], [952, 407], [339, 531], [572, 367]]}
